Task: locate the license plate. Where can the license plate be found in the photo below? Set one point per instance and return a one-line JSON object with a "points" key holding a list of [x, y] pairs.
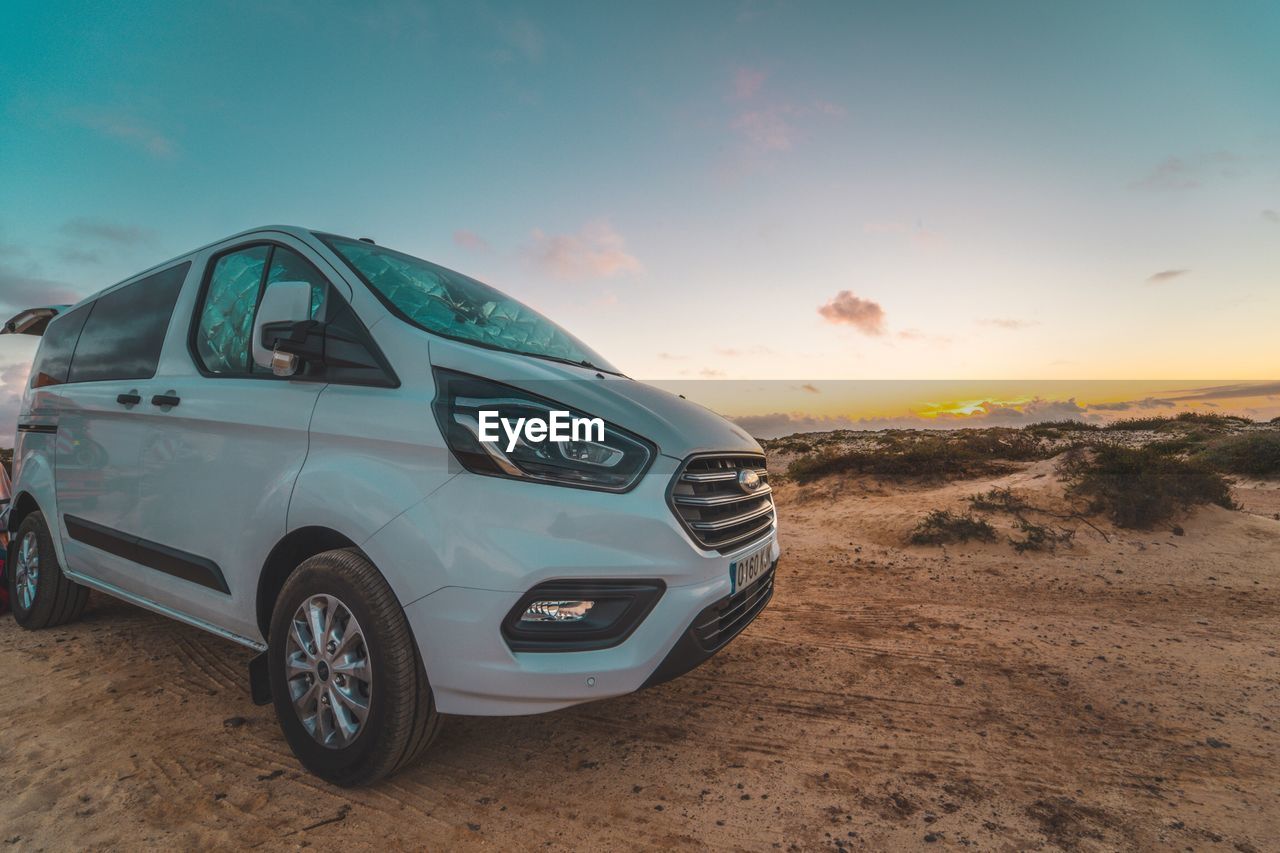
{"points": [[744, 572]]}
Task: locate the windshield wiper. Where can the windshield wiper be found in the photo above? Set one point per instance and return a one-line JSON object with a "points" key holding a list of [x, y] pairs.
{"points": [[576, 363]]}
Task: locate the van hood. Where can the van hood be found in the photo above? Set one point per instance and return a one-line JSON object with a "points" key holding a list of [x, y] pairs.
{"points": [[677, 426]]}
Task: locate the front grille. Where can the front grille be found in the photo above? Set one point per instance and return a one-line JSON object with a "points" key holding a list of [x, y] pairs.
{"points": [[721, 622], [718, 513]]}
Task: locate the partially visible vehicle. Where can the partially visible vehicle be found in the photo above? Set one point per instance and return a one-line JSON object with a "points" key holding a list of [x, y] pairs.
{"points": [[4, 538]]}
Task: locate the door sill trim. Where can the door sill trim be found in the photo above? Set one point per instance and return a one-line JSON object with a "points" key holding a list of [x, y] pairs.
{"points": [[163, 610]]}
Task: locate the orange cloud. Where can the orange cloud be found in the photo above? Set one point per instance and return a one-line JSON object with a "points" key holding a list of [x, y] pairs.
{"points": [[595, 251], [863, 314]]}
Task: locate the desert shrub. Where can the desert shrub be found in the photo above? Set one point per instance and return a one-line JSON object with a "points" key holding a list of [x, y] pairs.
{"points": [[932, 457], [941, 526], [1152, 423], [1055, 429], [1137, 487], [1180, 443], [1255, 454], [1182, 421], [786, 445], [999, 500], [1038, 537], [1210, 419]]}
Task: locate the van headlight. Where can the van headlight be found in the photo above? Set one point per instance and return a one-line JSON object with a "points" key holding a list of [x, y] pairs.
{"points": [[470, 412]]}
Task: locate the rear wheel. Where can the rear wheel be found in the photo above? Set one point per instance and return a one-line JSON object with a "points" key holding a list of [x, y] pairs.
{"points": [[348, 684], [39, 593]]}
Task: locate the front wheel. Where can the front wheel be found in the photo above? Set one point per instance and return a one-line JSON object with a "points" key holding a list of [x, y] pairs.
{"points": [[347, 681]]}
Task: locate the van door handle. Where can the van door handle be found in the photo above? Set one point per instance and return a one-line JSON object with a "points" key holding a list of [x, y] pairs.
{"points": [[165, 400], [133, 398]]}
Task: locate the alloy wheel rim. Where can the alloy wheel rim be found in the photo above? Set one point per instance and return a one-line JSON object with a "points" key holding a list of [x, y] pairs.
{"points": [[328, 671], [26, 575]]}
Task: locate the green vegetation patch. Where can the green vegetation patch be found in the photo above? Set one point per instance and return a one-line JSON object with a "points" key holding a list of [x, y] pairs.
{"points": [[1139, 487], [1253, 454]]}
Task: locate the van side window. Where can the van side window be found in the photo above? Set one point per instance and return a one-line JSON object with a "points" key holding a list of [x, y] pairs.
{"points": [[224, 323], [226, 317], [124, 332], [53, 360], [288, 265]]}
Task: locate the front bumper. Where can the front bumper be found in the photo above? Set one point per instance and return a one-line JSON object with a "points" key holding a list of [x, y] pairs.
{"points": [[473, 670], [462, 559], [714, 628]]}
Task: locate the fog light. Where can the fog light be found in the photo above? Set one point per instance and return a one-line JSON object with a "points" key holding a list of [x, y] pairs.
{"points": [[557, 611], [578, 615]]}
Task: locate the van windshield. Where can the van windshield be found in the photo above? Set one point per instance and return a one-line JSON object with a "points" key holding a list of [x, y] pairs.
{"points": [[455, 306]]}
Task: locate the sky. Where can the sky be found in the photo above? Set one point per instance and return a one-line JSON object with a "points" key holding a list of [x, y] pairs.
{"points": [[1033, 196]]}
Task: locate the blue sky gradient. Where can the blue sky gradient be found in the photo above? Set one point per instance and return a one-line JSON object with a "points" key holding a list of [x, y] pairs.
{"points": [[1005, 190]]}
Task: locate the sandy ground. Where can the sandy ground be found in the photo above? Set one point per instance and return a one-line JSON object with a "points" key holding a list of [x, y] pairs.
{"points": [[1119, 694]]}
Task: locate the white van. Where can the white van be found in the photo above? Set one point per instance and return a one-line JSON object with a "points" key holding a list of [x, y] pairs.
{"points": [[281, 438]]}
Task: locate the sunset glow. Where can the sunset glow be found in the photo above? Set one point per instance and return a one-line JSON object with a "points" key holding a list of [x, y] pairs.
{"points": [[796, 197]]}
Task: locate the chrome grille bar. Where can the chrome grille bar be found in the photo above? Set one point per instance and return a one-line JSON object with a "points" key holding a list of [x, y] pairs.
{"points": [[717, 512]]}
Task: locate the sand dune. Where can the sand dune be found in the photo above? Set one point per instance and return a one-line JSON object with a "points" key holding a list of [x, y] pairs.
{"points": [[1120, 693]]}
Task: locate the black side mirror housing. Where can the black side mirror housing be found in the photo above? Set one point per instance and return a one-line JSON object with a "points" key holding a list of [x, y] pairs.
{"points": [[303, 339]]}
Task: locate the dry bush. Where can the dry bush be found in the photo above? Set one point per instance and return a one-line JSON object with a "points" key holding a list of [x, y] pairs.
{"points": [[1138, 487], [927, 456], [942, 526], [1253, 454]]}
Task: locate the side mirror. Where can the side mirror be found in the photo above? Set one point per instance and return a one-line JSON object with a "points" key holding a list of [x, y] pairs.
{"points": [[284, 302]]}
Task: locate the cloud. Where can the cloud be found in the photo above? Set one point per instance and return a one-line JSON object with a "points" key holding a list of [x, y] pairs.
{"points": [[73, 255], [712, 373], [736, 352], [812, 389], [19, 290], [988, 414], [470, 240], [1010, 323], [863, 314], [109, 232], [746, 83], [1221, 392], [1177, 173], [1271, 215], [595, 251], [1165, 275], [670, 356], [765, 129], [772, 124], [917, 335], [1129, 405], [127, 129]]}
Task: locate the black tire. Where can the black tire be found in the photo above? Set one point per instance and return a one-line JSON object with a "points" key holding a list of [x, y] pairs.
{"points": [[58, 599], [401, 718]]}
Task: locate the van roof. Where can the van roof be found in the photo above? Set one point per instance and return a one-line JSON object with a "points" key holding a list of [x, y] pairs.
{"points": [[292, 230]]}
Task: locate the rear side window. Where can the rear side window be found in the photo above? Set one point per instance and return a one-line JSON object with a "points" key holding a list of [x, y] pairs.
{"points": [[53, 360], [224, 323], [124, 333]]}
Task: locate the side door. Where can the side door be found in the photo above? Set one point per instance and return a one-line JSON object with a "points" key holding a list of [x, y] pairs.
{"points": [[100, 422], [217, 468]]}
